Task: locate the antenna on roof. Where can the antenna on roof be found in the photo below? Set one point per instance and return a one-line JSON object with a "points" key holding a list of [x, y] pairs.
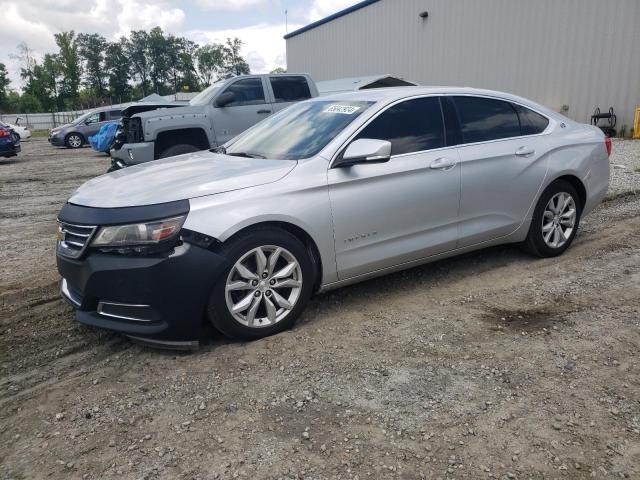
{"points": [[286, 22]]}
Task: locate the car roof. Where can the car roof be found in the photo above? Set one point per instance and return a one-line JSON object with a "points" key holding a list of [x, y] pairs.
{"points": [[391, 94]]}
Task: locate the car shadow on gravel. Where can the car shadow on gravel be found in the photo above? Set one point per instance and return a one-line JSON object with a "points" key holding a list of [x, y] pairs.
{"points": [[421, 277]]}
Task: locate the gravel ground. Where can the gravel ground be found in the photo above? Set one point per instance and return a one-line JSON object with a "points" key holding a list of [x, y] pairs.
{"points": [[625, 174], [489, 365]]}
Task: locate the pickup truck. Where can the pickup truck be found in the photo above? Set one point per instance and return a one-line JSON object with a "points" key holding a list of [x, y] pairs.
{"points": [[213, 117]]}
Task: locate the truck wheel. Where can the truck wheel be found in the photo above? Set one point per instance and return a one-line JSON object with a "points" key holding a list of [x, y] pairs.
{"points": [[178, 150], [73, 140]]}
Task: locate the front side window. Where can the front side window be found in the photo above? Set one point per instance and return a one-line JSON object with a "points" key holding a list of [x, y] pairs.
{"points": [[299, 131], [411, 126], [248, 91], [290, 89], [484, 119], [94, 118], [115, 114], [531, 123]]}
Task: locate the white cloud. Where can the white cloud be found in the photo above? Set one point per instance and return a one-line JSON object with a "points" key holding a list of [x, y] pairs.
{"points": [[323, 8], [228, 4], [263, 44], [35, 22]]}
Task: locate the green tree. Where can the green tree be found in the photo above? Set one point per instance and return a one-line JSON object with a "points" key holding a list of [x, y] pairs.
{"points": [[26, 59], [70, 68], [187, 76], [118, 68], [4, 87], [91, 48], [210, 61], [158, 50], [137, 51], [278, 70], [234, 63], [30, 104]]}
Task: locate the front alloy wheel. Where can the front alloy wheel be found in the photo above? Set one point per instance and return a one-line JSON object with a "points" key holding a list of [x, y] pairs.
{"points": [[266, 285], [74, 141], [263, 286]]}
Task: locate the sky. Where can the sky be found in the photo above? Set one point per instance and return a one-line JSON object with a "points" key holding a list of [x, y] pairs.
{"points": [[260, 24]]}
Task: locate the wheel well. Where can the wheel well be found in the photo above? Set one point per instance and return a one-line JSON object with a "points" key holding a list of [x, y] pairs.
{"points": [[301, 235], [578, 185], [191, 136]]}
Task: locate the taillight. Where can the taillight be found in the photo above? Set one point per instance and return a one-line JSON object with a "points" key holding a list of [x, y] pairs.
{"points": [[607, 143], [4, 133]]}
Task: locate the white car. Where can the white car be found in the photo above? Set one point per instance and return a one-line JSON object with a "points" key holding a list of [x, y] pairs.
{"points": [[24, 132]]}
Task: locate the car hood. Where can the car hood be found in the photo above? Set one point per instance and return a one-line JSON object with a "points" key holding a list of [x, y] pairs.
{"points": [[61, 127], [179, 178]]}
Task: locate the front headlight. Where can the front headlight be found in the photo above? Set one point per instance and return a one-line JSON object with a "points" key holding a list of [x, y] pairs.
{"points": [[138, 234]]}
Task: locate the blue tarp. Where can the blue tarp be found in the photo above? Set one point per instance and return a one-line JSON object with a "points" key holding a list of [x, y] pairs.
{"points": [[102, 140]]}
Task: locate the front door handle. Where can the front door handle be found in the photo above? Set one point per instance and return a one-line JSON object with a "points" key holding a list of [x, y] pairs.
{"points": [[264, 111], [443, 163], [525, 151]]}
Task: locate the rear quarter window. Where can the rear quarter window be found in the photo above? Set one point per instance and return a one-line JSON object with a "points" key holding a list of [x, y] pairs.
{"points": [[531, 123], [483, 119]]}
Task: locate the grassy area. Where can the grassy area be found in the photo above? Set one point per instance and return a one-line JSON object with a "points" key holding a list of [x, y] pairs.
{"points": [[40, 133]]}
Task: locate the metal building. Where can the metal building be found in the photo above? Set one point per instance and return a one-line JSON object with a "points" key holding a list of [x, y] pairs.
{"points": [[570, 55]]}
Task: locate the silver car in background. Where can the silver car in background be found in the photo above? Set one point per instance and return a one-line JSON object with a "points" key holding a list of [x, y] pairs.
{"points": [[77, 133], [328, 192]]}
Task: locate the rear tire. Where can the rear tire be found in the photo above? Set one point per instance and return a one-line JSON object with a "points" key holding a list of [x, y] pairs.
{"points": [[555, 221], [180, 149], [261, 294], [74, 140]]}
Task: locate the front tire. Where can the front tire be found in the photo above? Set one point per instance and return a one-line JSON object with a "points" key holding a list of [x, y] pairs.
{"points": [[266, 286], [555, 220], [74, 140]]}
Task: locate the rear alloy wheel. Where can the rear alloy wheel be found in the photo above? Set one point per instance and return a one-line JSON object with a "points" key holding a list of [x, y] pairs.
{"points": [[555, 220], [266, 286], [74, 140]]}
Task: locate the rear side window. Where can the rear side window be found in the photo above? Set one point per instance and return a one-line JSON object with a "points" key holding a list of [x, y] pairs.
{"points": [[411, 126], [248, 91], [290, 89], [531, 123], [115, 114], [483, 119]]}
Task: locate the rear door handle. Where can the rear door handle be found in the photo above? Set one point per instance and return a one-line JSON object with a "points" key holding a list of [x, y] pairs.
{"points": [[443, 163], [525, 151], [264, 111]]}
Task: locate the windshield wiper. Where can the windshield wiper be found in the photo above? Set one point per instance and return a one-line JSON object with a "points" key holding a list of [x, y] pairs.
{"points": [[246, 154]]}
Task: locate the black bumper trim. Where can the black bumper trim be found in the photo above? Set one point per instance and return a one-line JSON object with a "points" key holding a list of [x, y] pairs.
{"points": [[175, 286], [81, 215]]}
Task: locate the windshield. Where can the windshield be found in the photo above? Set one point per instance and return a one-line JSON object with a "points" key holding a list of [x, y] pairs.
{"points": [[205, 96], [81, 118], [298, 132]]}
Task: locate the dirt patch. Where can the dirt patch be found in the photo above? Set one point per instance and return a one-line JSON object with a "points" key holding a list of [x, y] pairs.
{"points": [[490, 365]]}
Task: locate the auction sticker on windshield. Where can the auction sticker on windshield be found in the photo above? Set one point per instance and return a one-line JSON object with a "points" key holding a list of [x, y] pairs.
{"points": [[344, 109]]}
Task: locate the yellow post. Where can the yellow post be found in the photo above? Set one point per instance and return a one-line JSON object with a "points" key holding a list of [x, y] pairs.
{"points": [[636, 124]]}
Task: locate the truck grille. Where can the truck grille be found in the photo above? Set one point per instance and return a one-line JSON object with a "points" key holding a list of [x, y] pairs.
{"points": [[74, 239], [129, 131]]}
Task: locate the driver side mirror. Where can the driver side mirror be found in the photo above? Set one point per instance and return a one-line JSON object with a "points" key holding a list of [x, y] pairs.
{"points": [[365, 150], [225, 99]]}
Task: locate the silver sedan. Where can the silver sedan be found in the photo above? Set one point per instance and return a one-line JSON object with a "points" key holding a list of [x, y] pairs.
{"points": [[328, 192]]}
